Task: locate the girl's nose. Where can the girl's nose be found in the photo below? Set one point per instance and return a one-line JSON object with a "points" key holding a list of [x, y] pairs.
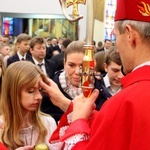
{"points": [[38, 95]]}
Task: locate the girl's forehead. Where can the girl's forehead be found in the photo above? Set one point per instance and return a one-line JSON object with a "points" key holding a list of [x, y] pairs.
{"points": [[35, 84]]}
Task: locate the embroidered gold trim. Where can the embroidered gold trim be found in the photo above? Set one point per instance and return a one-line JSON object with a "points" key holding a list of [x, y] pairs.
{"points": [[144, 8]]}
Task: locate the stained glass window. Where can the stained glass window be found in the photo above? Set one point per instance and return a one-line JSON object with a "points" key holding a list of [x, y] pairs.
{"points": [[109, 19], [8, 23]]}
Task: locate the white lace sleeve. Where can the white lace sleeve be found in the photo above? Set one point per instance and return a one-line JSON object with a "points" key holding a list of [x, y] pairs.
{"points": [[64, 128], [70, 142], [68, 134]]}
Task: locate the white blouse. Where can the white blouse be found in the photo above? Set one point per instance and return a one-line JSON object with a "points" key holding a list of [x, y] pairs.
{"points": [[29, 135]]}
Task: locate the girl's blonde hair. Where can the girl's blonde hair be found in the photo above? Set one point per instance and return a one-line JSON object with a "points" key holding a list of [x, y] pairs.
{"points": [[2, 73], [18, 75]]}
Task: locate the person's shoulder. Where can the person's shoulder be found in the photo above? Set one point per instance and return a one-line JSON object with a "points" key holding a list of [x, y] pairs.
{"points": [[13, 56], [48, 120], [57, 74], [6, 57], [28, 56], [102, 49], [57, 56], [99, 84], [12, 59], [46, 116], [49, 61], [51, 64]]}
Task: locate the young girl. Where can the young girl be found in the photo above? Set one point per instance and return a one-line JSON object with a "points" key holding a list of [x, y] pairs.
{"points": [[22, 123]]}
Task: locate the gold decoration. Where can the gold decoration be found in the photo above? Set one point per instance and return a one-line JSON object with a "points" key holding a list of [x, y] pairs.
{"points": [[75, 15], [75, 3], [144, 8]]}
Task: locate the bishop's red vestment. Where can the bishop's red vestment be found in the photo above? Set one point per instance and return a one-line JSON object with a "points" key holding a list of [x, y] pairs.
{"points": [[123, 122]]}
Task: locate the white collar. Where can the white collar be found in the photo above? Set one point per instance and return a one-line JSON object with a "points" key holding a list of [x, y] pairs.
{"points": [[108, 86], [106, 81], [36, 62], [20, 56]]}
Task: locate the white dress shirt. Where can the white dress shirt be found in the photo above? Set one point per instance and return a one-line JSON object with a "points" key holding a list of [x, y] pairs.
{"points": [[21, 57], [108, 86], [42, 67]]}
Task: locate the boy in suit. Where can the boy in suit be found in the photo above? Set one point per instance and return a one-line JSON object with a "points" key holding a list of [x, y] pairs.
{"points": [[38, 53], [23, 45]]}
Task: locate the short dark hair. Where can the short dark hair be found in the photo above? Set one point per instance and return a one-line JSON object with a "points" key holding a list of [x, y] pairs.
{"points": [[35, 40], [66, 42], [112, 56], [100, 43], [107, 40]]}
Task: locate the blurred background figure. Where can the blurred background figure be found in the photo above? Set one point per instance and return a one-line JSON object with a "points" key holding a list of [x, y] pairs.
{"points": [[48, 42], [100, 60], [107, 45], [53, 48], [99, 46], [59, 59], [5, 39], [13, 51], [5, 49], [60, 40]]}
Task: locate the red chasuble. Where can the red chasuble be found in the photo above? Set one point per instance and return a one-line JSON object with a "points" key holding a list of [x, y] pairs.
{"points": [[123, 123], [2, 147]]}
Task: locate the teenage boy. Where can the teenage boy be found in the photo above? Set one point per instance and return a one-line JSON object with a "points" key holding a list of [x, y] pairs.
{"points": [[112, 66], [23, 45]]}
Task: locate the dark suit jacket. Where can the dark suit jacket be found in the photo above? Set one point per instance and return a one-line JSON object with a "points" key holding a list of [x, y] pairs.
{"points": [[59, 61], [15, 58], [50, 50], [99, 50], [55, 48], [49, 66]]}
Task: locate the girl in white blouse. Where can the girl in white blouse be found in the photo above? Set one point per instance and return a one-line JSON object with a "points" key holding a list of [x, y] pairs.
{"points": [[21, 121]]}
